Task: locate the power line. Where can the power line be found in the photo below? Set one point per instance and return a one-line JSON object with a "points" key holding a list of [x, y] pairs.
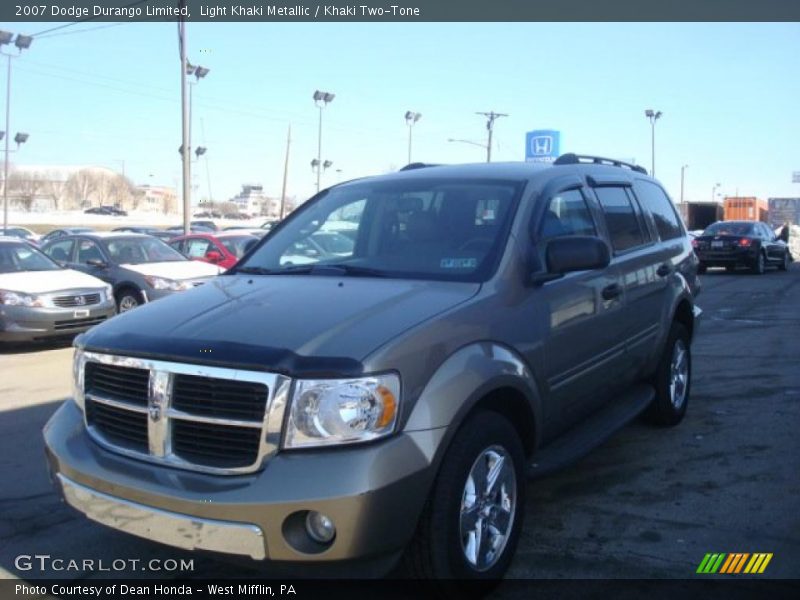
{"points": [[86, 20]]}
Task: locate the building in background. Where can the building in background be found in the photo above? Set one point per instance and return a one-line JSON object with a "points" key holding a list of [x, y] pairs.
{"points": [[252, 201], [157, 199]]}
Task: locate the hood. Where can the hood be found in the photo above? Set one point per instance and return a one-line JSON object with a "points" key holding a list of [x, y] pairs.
{"points": [[298, 324], [175, 269], [40, 282]]}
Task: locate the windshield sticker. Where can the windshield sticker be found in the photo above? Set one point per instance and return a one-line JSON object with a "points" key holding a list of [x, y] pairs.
{"points": [[458, 263]]}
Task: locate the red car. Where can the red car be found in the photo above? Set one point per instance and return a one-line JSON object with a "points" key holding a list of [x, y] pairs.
{"points": [[222, 248]]}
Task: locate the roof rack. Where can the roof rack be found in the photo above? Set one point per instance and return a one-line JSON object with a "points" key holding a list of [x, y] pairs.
{"points": [[417, 165], [575, 159]]}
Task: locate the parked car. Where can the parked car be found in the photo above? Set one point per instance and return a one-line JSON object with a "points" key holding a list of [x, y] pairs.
{"points": [[223, 248], [106, 210], [210, 225], [22, 233], [733, 244], [178, 229], [39, 299], [63, 231], [141, 268], [491, 323]]}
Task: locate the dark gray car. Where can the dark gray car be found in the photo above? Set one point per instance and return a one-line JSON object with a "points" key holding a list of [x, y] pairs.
{"points": [[490, 323], [140, 267]]}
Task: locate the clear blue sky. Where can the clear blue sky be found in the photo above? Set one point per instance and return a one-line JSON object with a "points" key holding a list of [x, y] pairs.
{"points": [[729, 93]]}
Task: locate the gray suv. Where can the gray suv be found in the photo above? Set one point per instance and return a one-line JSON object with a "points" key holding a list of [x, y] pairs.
{"points": [[490, 323]]}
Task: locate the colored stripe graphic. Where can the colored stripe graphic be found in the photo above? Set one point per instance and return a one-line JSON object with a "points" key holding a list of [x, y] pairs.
{"points": [[711, 563], [734, 563]]}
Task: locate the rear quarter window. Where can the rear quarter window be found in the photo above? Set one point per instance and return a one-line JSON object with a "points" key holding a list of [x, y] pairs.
{"points": [[624, 227], [658, 204]]}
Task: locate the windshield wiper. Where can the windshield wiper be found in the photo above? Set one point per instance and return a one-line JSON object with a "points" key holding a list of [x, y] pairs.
{"points": [[255, 270]]}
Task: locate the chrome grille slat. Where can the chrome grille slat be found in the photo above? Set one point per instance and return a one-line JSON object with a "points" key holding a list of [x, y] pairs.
{"points": [[209, 419]]}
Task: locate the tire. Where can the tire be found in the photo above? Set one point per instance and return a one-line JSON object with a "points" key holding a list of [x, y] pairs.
{"points": [[701, 268], [760, 264], [787, 260], [672, 380], [444, 540], [128, 299]]}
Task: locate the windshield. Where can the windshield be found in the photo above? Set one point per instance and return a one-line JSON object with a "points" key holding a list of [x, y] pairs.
{"points": [[238, 245], [729, 228], [140, 250], [15, 258], [421, 228]]}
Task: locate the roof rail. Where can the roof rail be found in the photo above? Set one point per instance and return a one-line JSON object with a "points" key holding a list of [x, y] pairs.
{"points": [[575, 159], [417, 165]]}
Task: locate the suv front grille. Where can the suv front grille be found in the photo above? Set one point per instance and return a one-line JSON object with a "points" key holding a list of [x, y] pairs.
{"points": [[117, 383], [219, 397], [201, 418]]}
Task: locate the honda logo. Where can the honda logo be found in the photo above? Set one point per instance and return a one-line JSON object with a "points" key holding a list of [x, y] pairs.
{"points": [[542, 145], [80, 300]]}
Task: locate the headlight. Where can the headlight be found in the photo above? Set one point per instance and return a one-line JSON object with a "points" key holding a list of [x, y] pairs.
{"points": [[19, 299], [161, 283], [327, 412], [109, 291], [78, 369]]}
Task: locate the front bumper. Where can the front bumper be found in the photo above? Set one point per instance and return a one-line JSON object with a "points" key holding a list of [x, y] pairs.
{"points": [[374, 494], [24, 323]]}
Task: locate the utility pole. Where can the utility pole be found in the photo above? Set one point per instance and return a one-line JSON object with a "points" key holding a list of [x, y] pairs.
{"points": [[285, 170], [683, 168], [186, 154], [491, 117]]}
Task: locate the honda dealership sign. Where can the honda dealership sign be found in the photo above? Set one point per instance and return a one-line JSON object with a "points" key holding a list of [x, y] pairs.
{"points": [[542, 145]]}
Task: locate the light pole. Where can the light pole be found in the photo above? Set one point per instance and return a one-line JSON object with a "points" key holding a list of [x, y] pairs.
{"points": [[198, 72], [320, 166], [714, 189], [653, 116], [683, 168], [321, 99], [411, 118], [21, 42]]}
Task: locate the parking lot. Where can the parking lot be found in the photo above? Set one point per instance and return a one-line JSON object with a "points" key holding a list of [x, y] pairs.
{"points": [[648, 503]]}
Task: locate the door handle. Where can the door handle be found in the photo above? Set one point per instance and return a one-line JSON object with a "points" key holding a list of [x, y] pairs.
{"points": [[611, 291], [664, 270]]}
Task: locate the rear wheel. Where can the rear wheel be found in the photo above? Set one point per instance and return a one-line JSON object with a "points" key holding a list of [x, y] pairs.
{"points": [[760, 264], [470, 526], [701, 268], [672, 380], [787, 260]]}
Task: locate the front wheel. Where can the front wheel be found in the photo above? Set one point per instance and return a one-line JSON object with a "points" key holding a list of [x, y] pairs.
{"points": [[672, 380], [128, 299], [470, 526]]}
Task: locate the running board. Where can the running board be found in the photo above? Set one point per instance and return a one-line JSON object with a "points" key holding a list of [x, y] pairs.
{"points": [[581, 439]]}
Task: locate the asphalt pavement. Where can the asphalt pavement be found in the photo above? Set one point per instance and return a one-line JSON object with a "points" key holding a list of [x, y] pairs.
{"points": [[649, 503]]}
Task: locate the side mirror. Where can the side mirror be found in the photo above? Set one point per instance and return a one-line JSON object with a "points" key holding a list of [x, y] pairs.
{"points": [[573, 253], [213, 256], [96, 262]]}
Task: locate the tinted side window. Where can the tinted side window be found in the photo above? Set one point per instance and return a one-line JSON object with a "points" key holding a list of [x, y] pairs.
{"points": [[660, 206], [623, 225], [567, 214], [60, 251], [88, 250]]}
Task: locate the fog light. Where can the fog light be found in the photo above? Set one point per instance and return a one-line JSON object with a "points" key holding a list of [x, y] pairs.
{"points": [[320, 527]]}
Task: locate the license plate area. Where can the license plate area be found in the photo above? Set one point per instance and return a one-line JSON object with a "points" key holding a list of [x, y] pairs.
{"points": [[719, 244], [79, 314]]}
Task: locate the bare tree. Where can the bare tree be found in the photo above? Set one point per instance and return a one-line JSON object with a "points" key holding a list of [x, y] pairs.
{"points": [[79, 188]]}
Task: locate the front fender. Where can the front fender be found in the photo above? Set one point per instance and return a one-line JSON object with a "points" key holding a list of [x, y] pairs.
{"points": [[468, 376]]}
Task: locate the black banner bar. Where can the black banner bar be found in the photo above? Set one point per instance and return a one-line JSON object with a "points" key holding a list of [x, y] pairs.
{"points": [[411, 11]]}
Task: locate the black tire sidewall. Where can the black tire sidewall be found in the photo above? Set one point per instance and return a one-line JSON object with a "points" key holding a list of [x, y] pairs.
{"points": [[482, 430], [662, 411]]}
